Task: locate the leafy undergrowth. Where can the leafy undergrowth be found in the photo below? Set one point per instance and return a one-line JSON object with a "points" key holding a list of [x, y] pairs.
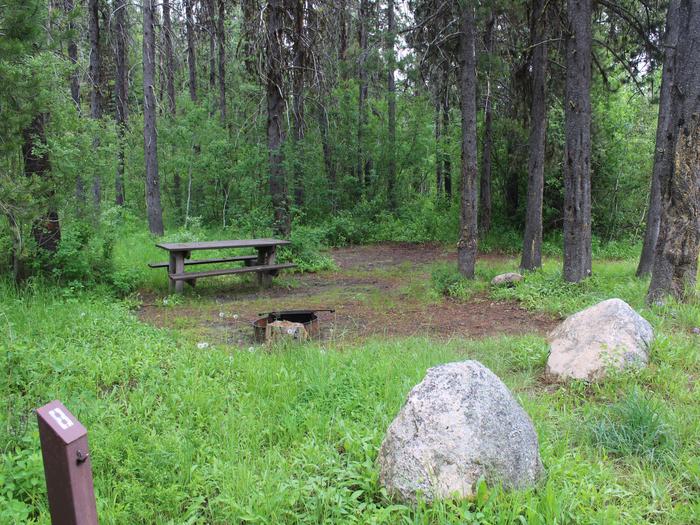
{"points": [[186, 435]]}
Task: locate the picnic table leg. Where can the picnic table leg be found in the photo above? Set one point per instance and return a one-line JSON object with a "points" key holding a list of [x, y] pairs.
{"points": [[171, 269], [179, 268], [270, 259]]}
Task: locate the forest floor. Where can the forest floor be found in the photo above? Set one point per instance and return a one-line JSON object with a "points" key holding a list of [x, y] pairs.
{"points": [[380, 290]]}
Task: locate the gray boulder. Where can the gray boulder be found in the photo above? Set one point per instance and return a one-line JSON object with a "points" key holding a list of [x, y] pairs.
{"points": [[460, 423], [608, 335], [506, 279]]}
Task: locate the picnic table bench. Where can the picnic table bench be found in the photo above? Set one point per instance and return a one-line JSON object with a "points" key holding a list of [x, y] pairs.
{"points": [[179, 256]]}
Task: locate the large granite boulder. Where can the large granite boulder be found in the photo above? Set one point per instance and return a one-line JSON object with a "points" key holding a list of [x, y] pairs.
{"points": [[506, 279], [459, 424], [608, 335]]}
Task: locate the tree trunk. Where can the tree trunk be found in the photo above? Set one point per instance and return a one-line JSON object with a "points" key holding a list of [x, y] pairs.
{"points": [[485, 185], [663, 160], [446, 159], [221, 39], [438, 143], [169, 58], [95, 85], [467, 245], [191, 64], [150, 136], [362, 92], [532, 239], [328, 160], [343, 37], [121, 91], [678, 245], [68, 6], [275, 117], [298, 99], [391, 104], [577, 149], [46, 230], [212, 46]]}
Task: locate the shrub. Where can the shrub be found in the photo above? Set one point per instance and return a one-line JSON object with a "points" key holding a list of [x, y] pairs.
{"points": [[305, 250]]}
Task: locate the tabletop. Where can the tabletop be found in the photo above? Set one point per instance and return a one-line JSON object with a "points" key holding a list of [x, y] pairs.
{"points": [[213, 245]]}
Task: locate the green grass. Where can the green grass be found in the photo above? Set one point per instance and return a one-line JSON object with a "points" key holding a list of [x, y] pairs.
{"points": [[183, 435]]}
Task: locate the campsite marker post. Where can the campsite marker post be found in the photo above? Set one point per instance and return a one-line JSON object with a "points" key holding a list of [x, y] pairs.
{"points": [[67, 468]]}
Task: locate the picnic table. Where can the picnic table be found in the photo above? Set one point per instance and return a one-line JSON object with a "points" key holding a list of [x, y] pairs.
{"points": [[179, 256]]}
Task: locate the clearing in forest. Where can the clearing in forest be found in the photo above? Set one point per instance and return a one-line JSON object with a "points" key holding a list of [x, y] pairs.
{"points": [[381, 290]]}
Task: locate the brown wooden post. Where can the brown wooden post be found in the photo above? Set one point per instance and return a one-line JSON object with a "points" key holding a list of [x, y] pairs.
{"points": [[171, 269], [179, 268], [67, 468], [270, 259]]}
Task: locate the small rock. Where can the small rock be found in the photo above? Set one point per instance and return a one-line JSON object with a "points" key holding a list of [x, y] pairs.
{"points": [[696, 330], [607, 335], [459, 424], [202, 345], [507, 279]]}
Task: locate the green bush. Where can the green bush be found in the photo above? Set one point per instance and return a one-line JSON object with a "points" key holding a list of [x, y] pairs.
{"points": [[306, 250]]}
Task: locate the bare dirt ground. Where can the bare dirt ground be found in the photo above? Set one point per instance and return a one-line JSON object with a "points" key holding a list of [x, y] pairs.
{"points": [[381, 290]]}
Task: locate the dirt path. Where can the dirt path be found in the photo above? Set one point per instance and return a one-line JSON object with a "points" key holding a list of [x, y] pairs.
{"points": [[381, 290]]}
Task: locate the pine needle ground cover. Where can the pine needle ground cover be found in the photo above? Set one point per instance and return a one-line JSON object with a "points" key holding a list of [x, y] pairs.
{"points": [[180, 434]]}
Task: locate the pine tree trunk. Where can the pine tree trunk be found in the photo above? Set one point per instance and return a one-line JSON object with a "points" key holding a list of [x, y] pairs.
{"points": [[391, 104], [532, 239], [95, 86], [46, 230], [68, 6], [150, 136], [298, 99], [438, 143], [169, 58], [212, 47], [121, 92], [221, 39], [446, 159], [328, 160], [485, 183], [577, 150], [678, 245], [467, 245], [362, 159], [191, 63], [275, 117], [663, 160]]}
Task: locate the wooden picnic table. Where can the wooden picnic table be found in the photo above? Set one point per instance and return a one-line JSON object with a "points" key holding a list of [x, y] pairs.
{"points": [[263, 263]]}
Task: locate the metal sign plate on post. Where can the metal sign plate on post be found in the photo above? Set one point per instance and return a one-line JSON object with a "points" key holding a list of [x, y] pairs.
{"points": [[67, 466]]}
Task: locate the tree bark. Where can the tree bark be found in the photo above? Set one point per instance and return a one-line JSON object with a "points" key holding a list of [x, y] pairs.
{"points": [[150, 136], [275, 117], [68, 7], [121, 92], [212, 46], [95, 85], [485, 183], [221, 40], [438, 143], [467, 245], [169, 58], [577, 150], [362, 93], [191, 62], [298, 98], [328, 160], [46, 230], [391, 104], [446, 159], [678, 245], [663, 159], [532, 239]]}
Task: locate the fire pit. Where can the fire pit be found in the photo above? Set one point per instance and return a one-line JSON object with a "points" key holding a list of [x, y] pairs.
{"points": [[308, 318]]}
